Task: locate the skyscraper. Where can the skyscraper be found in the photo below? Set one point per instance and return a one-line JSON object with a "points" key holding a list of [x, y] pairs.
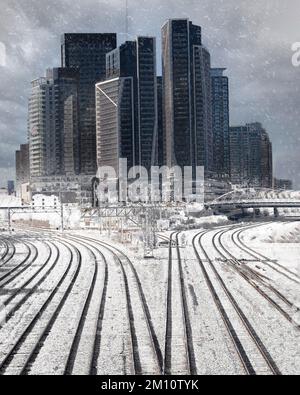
{"points": [[53, 124], [161, 143], [147, 100], [220, 116], [239, 155], [41, 128], [87, 53], [127, 121], [261, 160], [187, 96], [66, 82], [251, 156]]}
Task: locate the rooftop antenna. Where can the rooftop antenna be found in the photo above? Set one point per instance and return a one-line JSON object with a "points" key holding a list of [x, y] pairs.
{"points": [[126, 19]]}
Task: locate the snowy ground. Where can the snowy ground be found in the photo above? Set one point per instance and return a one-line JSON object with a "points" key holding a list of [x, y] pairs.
{"points": [[280, 242], [84, 303]]}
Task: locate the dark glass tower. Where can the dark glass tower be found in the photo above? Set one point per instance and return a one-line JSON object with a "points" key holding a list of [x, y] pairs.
{"points": [[239, 155], [261, 157], [127, 105], [220, 115], [187, 96], [87, 53], [161, 136], [251, 156], [147, 100]]}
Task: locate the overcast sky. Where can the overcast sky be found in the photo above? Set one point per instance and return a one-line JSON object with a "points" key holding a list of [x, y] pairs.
{"points": [[252, 38]]}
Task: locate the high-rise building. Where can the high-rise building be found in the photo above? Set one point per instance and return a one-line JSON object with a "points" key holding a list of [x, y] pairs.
{"points": [[147, 100], [261, 174], [126, 108], [187, 96], [53, 124], [115, 122], [41, 128], [66, 82], [161, 143], [87, 53], [22, 167], [239, 155], [220, 116], [251, 156]]}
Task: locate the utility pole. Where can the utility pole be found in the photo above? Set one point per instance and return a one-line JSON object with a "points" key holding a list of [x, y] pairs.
{"points": [[149, 232], [61, 212], [99, 220], [9, 220]]}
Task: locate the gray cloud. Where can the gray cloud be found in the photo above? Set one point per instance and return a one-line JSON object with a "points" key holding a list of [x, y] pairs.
{"points": [[252, 39]]}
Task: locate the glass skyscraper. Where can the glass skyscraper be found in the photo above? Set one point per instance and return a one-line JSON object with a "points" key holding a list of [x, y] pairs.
{"points": [[251, 156], [160, 151], [87, 53], [147, 100], [220, 116], [187, 96], [127, 105]]}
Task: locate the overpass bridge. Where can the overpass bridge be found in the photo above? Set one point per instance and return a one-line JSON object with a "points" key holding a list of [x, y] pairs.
{"points": [[256, 199]]}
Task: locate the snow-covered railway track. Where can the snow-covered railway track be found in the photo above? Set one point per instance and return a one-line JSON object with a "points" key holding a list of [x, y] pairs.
{"points": [[32, 283], [236, 238], [139, 317], [9, 251], [13, 273], [6, 245], [250, 349], [266, 290], [29, 342], [146, 352], [179, 349], [93, 351]]}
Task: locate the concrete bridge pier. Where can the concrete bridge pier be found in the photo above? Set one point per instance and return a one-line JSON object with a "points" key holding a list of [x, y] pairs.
{"points": [[256, 212], [276, 212]]}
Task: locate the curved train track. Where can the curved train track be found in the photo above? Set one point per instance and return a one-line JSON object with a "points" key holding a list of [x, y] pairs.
{"points": [[249, 347], [125, 262], [94, 247], [9, 251], [5, 246], [236, 238], [12, 273], [30, 325], [253, 278]]}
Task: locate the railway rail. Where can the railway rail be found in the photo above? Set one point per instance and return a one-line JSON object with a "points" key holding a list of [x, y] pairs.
{"points": [[249, 347], [140, 364], [146, 357], [34, 319], [274, 265], [260, 284]]}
